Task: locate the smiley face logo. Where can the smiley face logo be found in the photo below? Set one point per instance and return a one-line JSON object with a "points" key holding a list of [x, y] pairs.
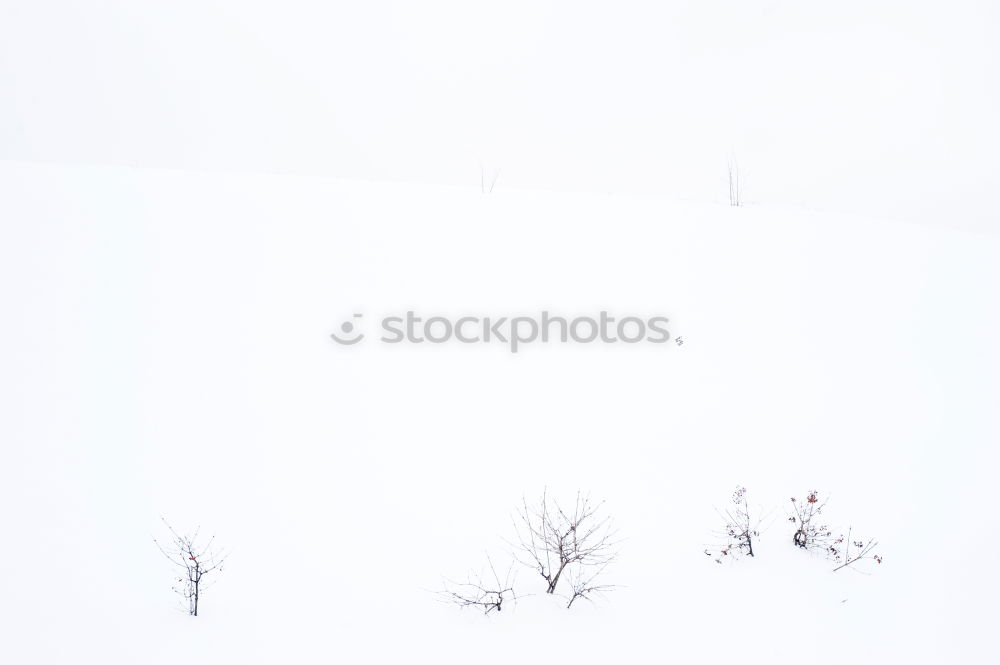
{"points": [[347, 327]]}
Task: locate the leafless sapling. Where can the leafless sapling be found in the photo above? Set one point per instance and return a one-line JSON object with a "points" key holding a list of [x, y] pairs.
{"points": [[578, 542], [197, 561]]}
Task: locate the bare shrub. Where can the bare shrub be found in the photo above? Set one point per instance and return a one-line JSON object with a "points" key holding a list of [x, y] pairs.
{"points": [[741, 528], [813, 533], [487, 594]]}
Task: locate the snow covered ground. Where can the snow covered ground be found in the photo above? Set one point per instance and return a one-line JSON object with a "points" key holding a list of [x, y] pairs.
{"points": [[166, 352]]}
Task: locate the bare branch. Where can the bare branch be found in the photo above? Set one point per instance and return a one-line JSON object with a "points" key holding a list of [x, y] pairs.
{"points": [[488, 595]]}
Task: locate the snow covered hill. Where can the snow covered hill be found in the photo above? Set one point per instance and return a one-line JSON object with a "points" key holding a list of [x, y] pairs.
{"points": [[166, 351]]}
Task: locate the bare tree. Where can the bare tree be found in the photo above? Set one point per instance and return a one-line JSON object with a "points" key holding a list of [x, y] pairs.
{"points": [[578, 542], [197, 561], [741, 528], [735, 188], [488, 595]]}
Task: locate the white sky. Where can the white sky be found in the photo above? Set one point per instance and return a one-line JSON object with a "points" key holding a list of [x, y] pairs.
{"points": [[884, 108]]}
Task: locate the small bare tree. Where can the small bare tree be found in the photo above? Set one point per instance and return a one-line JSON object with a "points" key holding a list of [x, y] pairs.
{"points": [[741, 528], [197, 561], [578, 542], [488, 595]]}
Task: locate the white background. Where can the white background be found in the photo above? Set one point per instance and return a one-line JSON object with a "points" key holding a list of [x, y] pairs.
{"points": [[175, 253]]}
